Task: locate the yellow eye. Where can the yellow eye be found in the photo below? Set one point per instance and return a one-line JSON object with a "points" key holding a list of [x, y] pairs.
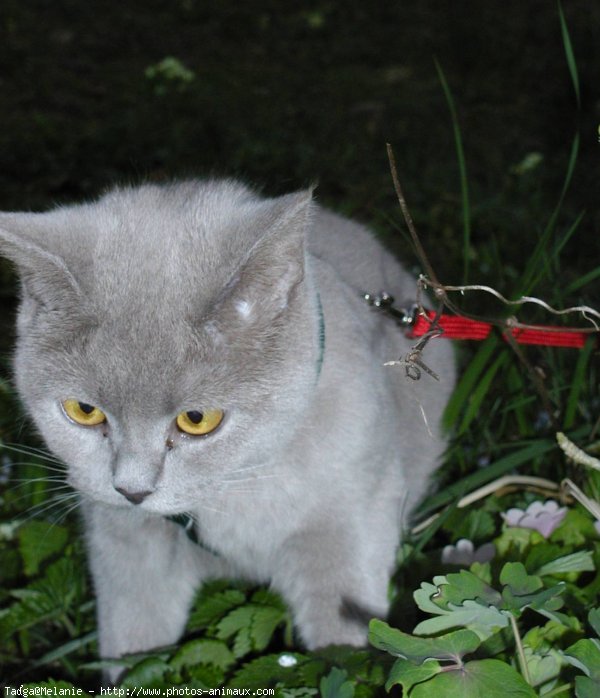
{"points": [[199, 423], [82, 413]]}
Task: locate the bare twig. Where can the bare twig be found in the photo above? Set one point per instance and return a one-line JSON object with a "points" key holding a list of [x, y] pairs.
{"points": [[587, 312]]}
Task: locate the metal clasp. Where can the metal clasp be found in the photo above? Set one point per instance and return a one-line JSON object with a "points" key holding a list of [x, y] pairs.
{"points": [[385, 302]]}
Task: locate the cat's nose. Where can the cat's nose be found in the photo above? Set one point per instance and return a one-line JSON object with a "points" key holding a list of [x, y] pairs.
{"points": [[133, 497]]}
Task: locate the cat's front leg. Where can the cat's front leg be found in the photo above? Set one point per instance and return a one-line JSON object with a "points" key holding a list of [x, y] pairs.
{"points": [[332, 589], [145, 573]]}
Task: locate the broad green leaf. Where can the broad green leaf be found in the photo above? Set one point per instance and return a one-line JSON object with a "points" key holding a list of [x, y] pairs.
{"points": [[522, 589], [586, 688], [585, 655], [408, 675], [576, 562], [484, 621], [543, 667], [488, 678], [336, 685], [514, 575], [594, 620], [423, 596], [476, 525], [459, 587], [39, 540], [450, 647]]}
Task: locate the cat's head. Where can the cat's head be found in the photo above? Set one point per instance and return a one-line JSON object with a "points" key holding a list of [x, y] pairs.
{"points": [[167, 336]]}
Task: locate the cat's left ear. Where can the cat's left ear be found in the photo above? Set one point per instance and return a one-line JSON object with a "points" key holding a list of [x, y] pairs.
{"points": [[274, 266], [25, 241]]}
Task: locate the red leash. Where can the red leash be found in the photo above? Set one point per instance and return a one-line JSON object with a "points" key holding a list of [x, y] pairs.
{"points": [[456, 327]]}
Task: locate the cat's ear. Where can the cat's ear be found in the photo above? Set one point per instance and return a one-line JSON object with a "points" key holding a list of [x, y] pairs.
{"points": [[273, 268], [24, 240]]}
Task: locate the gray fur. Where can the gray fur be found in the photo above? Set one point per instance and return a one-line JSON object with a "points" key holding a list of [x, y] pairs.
{"points": [[155, 300]]}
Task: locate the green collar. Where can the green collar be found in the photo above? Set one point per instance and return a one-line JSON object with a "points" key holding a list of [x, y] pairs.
{"points": [[321, 336]]}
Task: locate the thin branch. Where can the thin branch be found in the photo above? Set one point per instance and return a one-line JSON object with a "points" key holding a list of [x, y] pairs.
{"points": [[409, 221]]}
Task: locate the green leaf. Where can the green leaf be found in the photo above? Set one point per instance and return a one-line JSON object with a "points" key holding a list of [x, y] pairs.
{"points": [[335, 685], [585, 655], [594, 620], [514, 575], [269, 671], [581, 561], [542, 667], [213, 603], [489, 677], [252, 625], [476, 525], [202, 651], [39, 540], [586, 688], [150, 672], [458, 587], [450, 647], [483, 620], [408, 675]]}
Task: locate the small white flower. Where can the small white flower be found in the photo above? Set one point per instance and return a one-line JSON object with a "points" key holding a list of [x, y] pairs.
{"points": [[464, 553], [543, 517], [597, 526], [287, 660]]}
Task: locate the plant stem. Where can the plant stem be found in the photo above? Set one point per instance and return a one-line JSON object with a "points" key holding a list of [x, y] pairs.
{"points": [[520, 650], [560, 689]]}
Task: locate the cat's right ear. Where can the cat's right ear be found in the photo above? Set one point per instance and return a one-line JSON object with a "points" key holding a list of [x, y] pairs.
{"points": [[45, 275]]}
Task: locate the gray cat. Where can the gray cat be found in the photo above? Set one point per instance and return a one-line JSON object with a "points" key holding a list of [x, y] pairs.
{"points": [[196, 348]]}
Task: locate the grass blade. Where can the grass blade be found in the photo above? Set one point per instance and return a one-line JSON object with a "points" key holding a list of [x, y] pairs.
{"points": [[481, 477], [578, 383], [464, 184], [539, 258], [478, 395], [569, 54], [583, 281], [465, 387]]}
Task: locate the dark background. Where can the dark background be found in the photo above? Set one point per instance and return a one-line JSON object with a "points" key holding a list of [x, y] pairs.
{"points": [[283, 95]]}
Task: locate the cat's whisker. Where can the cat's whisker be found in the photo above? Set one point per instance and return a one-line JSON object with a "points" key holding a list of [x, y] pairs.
{"points": [[68, 511], [248, 468], [254, 478], [42, 467], [48, 505], [31, 451], [49, 490]]}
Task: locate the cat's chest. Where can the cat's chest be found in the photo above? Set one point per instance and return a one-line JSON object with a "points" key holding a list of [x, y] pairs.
{"points": [[247, 530]]}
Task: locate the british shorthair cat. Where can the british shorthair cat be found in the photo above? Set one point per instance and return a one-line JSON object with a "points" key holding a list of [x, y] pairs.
{"points": [[196, 349]]}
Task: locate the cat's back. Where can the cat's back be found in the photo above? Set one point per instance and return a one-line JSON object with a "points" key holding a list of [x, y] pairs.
{"points": [[359, 260]]}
